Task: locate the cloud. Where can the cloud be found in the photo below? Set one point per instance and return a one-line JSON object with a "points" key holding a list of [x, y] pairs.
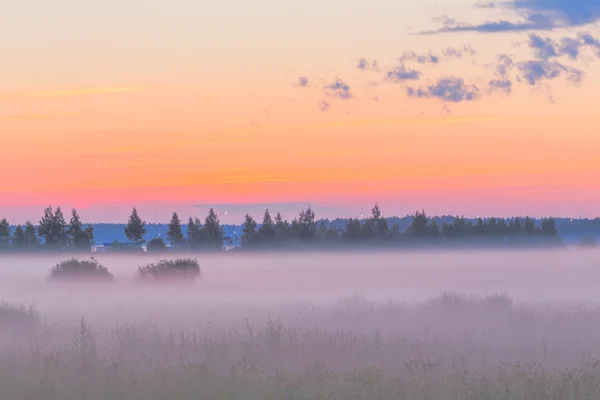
{"points": [[340, 89], [546, 48], [363, 64], [323, 106], [402, 73], [534, 71], [537, 15], [302, 81], [449, 89], [428, 58], [502, 85], [502, 82], [450, 52], [77, 92]]}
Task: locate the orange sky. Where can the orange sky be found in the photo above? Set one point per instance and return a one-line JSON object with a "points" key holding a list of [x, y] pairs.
{"points": [[191, 121]]}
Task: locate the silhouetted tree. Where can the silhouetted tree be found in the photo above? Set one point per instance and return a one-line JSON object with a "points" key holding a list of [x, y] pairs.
{"points": [[267, 227], [195, 233], [380, 226], [19, 240], [4, 234], [305, 225], [135, 230], [81, 239], [212, 229], [31, 237], [53, 228], [174, 233], [418, 227], [282, 228], [249, 230]]}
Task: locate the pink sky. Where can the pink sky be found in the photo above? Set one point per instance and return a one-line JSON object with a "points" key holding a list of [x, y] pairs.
{"points": [[105, 117]]}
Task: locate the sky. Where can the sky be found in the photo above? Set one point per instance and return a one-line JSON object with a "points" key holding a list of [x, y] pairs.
{"points": [[455, 107]]}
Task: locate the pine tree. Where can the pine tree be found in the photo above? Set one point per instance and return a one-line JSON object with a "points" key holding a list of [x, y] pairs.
{"points": [[78, 237], [249, 230], [19, 240], [135, 230], [53, 228], [305, 225], [212, 229], [31, 237], [268, 227], [175, 234], [4, 234]]}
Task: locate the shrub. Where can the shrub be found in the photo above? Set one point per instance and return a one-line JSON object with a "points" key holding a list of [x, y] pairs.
{"points": [[156, 244], [178, 269], [587, 241], [18, 315], [74, 269]]}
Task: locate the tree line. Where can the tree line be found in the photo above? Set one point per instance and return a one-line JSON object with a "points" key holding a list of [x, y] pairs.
{"points": [[53, 232]]}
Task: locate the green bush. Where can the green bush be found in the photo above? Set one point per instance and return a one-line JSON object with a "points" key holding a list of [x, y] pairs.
{"points": [[178, 269], [74, 269]]}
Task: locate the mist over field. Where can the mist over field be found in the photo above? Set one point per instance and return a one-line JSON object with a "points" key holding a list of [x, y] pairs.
{"points": [[422, 325]]}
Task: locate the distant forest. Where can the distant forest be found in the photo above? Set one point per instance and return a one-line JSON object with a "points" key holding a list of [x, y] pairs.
{"points": [[54, 232]]}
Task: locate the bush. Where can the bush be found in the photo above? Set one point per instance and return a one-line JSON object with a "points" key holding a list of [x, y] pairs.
{"points": [[178, 269], [156, 245], [74, 269], [587, 241], [18, 315]]}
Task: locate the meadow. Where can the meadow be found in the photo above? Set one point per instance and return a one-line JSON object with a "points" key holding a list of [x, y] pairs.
{"points": [[489, 325]]}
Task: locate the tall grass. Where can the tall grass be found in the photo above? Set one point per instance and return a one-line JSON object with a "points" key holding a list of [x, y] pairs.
{"points": [[451, 347]]}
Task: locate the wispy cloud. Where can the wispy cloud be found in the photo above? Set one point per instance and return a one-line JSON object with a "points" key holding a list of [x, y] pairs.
{"points": [[364, 64], [79, 92], [402, 73], [449, 89], [451, 52], [534, 71], [302, 82], [339, 89], [428, 58], [323, 106], [535, 15]]}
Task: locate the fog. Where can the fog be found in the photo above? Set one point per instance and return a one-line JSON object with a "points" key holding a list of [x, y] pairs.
{"points": [[540, 275], [473, 315]]}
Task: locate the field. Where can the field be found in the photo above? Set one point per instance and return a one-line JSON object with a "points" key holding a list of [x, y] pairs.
{"points": [[488, 325]]}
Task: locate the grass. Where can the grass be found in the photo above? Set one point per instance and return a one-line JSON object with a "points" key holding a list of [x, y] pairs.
{"points": [[451, 347], [18, 315]]}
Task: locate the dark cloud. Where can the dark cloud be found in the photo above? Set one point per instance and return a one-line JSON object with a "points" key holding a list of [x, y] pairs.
{"points": [[323, 106], [402, 73], [449, 89], [537, 15], [340, 89], [363, 64], [428, 58]]}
